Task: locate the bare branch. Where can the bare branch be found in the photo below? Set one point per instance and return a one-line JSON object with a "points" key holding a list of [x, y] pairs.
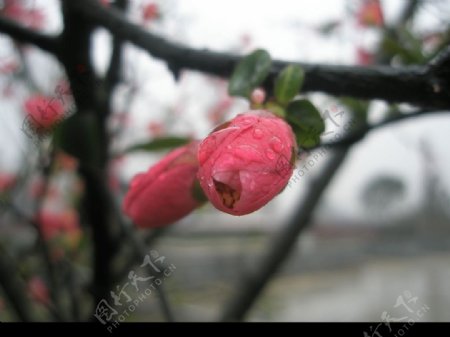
{"points": [[22, 34]]}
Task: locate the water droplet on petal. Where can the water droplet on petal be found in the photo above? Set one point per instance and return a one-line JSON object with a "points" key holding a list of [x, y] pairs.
{"points": [[270, 154], [246, 121], [258, 134], [276, 144]]}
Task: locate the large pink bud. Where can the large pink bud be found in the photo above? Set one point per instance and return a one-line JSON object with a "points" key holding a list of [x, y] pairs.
{"points": [[43, 113], [246, 162], [164, 194]]}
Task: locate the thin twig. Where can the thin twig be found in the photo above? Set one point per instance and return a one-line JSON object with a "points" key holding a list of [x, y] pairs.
{"points": [[139, 252], [22, 34]]}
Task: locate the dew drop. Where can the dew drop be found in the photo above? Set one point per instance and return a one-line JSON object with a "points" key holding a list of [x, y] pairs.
{"points": [[258, 134], [276, 144], [270, 154]]}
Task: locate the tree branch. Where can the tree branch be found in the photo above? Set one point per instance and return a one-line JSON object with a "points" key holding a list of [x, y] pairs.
{"points": [[139, 251], [113, 74], [282, 243], [22, 34], [412, 84], [90, 99], [14, 288]]}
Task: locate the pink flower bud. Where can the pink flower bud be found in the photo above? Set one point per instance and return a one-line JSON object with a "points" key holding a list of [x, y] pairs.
{"points": [[7, 180], [58, 223], [150, 12], [164, 194], [246, 162], [370, 14], [43, 113], [258, 96], [38, 290]]}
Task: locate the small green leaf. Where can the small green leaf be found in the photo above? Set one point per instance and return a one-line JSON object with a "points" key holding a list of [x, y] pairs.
{"points": [[159, 144], [249, 73], [306, 122], [77, 135], [288, 83]]}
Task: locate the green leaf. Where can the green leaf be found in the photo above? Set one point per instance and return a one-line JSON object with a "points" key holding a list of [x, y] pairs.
{"points": [[306, 122], [249, 73], [77, 135], [159, 144], [288, 83]]}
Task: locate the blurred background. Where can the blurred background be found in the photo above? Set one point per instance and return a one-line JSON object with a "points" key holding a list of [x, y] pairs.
{"points": [[380, 234]]}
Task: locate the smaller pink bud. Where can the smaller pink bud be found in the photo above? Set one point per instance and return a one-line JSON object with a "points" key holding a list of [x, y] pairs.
{"points": [[370, 14], [156, 129], [364, 57], [258, 96], [150, 12], [164, 194], [43, 113], [53, 224], [66, 162], [7, 181], [38, 290]]}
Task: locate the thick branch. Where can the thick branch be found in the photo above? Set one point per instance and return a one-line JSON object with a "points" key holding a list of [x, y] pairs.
{"points": [[90, 99], [407, 84], [22, 34]]}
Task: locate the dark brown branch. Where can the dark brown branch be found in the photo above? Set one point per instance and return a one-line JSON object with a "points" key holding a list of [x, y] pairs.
{"points": [[409, 11], [90, 99], [114, 69], [282, 243], [22, 34], [411, 84]]}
